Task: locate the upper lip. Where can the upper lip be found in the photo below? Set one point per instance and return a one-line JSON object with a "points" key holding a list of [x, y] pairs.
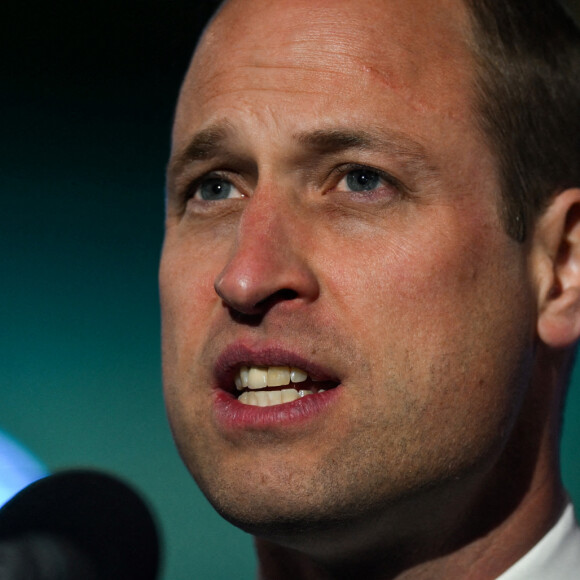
{"points": [[237, 354]]}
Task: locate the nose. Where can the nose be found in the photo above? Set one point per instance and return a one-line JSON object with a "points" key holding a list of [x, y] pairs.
{"points": [[268, 265]]}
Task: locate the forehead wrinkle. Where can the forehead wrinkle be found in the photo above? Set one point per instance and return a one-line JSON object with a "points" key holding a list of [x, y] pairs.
{"points": [[308, 36], [252, 78], [322, 57], [321, 44], [304, 53]]}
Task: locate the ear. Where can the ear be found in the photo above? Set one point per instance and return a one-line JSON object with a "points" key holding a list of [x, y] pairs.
{"points": [[556, 264]]}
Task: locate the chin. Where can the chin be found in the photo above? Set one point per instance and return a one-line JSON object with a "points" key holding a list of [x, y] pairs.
{"points": [[297, 527]]}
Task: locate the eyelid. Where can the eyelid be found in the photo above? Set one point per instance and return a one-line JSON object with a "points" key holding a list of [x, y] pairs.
{"points": [[336, 174], [220, 174], [343, 170]]}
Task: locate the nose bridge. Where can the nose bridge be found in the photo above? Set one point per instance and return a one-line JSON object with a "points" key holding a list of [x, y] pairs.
{"points": [[263, 220], [267, 257]]}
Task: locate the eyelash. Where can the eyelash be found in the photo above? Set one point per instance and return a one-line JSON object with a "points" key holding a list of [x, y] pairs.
{"points": [[386, 178], [337, 174], [194, 187]]}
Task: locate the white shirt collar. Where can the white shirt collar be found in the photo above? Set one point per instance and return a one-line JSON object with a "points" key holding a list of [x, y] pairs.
{"points": [[555, 557]]}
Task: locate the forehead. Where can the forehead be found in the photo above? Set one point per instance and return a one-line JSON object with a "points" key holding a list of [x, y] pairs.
{"points": [[322, 56]]}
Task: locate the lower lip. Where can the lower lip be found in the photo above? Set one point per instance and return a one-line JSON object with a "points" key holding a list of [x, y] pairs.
{"points": [[233, 416]]}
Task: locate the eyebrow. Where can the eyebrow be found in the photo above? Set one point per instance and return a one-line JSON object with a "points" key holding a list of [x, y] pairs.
{"points": [[336, 140], [409, 152], [204, 145], [333, 140], [212, 142]]}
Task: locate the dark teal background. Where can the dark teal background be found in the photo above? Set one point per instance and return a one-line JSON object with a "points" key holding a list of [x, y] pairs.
{"points": [[87, 95]]}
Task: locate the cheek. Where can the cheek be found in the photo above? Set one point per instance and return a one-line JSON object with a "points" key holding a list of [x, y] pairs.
{"points": [[433, 316], [442, 301], [400, 280], [188, 300]]}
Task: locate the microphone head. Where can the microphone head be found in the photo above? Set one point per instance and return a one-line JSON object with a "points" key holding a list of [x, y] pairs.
{"points": [[95, 512]]}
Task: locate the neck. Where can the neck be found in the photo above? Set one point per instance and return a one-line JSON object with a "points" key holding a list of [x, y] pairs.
{"points": [[480, 552]]}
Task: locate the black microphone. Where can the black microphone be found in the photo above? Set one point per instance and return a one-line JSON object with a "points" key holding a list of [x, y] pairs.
{"points": [[78, 525]]}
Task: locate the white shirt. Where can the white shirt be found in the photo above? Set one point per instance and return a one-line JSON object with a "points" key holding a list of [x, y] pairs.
{"points": [[555, 557]]}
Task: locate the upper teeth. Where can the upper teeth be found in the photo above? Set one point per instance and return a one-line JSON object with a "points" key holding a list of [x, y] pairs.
{"points": [[261, 377]]}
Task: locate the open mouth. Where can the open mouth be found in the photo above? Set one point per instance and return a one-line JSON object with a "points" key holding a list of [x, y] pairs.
{"points": [[265, 386]]}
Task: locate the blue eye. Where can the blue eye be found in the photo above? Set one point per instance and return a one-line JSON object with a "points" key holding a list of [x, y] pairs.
{"points": [[363, 180], [215, 188]]}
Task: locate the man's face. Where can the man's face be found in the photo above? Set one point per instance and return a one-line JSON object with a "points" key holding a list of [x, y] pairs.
{"points": [[329, 182]]}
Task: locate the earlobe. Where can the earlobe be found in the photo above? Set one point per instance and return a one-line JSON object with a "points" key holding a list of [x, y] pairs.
{"points": [[556, 256]]}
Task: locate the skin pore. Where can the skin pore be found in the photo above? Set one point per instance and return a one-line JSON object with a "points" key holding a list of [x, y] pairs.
{"points": [[332, 206]]}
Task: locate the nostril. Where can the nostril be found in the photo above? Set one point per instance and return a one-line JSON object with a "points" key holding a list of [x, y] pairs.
{"points": [[282, 295], [252, 315], [279, 296]]}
